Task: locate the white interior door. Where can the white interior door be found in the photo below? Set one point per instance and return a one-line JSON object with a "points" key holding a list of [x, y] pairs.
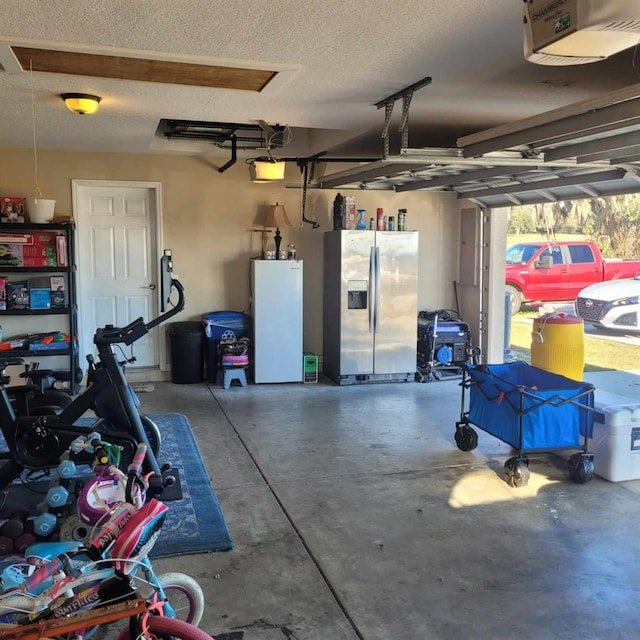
{"points": [[117, 261]]}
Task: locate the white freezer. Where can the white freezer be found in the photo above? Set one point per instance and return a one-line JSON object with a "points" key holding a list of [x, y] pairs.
{"points": [[277, 320]]}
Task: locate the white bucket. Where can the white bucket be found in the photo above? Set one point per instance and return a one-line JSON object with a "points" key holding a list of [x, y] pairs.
{"points": [[40, 210]]}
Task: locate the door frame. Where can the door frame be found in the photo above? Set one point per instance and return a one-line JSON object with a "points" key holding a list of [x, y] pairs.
{"points": [[156, 189]]}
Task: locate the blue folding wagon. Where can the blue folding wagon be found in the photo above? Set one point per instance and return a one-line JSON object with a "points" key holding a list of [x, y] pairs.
{"points": [[530, 409]]}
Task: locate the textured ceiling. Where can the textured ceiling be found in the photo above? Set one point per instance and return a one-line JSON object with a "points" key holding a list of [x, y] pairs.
{"points": [[335, 59]]}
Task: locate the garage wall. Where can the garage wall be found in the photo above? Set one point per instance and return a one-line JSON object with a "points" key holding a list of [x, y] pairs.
{"points": [[207, 217]]}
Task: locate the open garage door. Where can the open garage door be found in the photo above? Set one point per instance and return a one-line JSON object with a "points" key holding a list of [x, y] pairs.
{"points": [[589, 149]]}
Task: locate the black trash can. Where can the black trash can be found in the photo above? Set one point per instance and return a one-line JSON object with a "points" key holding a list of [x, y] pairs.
{"points": [[187, 352]]}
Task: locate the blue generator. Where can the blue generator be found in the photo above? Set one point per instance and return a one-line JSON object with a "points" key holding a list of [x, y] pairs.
{"points": [[443, 343]]}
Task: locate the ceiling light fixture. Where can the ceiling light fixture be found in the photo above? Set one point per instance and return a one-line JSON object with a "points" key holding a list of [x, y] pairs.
{"points": [[81, 102], [266, 170]]}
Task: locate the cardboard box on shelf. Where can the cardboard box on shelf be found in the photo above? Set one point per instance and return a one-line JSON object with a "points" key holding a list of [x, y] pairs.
{"points": [[17, 295], [40, 298], [11, 255], [58, 291], [12, 209], [61, 250], [29, 249], [40, 293], [3, 293]]}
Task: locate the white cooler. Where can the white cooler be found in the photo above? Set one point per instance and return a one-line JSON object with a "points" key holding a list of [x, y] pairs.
{"points": [[616, 437]]}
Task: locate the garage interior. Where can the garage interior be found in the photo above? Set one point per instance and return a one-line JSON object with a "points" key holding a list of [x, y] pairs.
{"points": [[353, 513]]}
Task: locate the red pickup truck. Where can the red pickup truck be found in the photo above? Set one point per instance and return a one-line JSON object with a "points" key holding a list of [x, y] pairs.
{"points": [[544, 271]]}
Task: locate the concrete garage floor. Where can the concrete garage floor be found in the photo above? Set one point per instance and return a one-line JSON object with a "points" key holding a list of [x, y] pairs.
{"points": [[354, 515]]}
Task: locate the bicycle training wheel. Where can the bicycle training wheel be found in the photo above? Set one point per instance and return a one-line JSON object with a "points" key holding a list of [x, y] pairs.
{"points": [[184, 595], [169, 628]]}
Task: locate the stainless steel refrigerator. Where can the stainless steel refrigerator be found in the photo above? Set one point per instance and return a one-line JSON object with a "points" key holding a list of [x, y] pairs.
{"points": [[370, 306]]}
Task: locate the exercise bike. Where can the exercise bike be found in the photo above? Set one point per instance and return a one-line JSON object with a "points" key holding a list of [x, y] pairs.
{"points": [[38, 396], [37, 442]]}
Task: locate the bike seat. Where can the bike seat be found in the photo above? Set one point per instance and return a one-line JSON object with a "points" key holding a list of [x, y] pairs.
{"points": [[9, 361], [38, 374]]}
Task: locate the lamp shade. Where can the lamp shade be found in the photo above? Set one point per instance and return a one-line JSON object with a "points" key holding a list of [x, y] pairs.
{"points": [[81, 102], [266, 170], [276, 216]]}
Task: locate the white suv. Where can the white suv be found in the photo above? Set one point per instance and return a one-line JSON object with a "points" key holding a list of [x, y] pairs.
{"points": [[614, 304]]}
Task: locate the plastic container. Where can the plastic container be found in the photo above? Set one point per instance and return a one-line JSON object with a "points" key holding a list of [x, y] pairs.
{"points": [[40, 210], [220, 325], [557, 344], [616, 437], [187, 352]]}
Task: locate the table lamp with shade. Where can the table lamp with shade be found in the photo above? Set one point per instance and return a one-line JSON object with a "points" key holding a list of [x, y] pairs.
{"points": [[277, 217]]}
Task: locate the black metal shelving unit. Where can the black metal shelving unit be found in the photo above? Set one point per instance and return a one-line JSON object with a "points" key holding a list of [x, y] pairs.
{"points": [[71, 308]]}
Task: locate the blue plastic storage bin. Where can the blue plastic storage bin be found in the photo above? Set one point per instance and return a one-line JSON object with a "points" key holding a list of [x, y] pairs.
{"points": [[222, 325]]}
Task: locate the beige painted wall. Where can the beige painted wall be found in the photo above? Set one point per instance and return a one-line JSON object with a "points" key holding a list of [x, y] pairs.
{"points": [[207, 217]]}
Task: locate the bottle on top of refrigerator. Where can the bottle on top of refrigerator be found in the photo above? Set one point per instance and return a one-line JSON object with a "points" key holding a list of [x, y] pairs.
{"points": [[392, 223], [385, 223], [380, 219], [362, 223], [338, 212], [372, 224], [350, 216], [402, 219]]}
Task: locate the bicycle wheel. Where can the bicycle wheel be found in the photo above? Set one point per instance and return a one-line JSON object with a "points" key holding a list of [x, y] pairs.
{"points": [[184, 595], [170, 627]]}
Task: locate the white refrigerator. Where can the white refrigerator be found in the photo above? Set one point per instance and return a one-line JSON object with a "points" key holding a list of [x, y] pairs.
{"points": [[276, 307]]}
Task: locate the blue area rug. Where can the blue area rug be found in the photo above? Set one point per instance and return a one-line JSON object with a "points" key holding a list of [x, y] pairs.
{"points": [[193, 524]]}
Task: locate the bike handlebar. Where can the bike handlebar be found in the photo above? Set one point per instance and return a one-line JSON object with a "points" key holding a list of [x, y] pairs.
{"points": [[136, 465], [138, 328]]}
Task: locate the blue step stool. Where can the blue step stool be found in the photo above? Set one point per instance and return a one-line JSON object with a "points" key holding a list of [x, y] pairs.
{"points": [[234, 373]]}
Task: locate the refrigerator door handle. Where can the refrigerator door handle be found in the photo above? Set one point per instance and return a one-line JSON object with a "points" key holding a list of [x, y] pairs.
{"points": [[376, 313], [372, 289]]}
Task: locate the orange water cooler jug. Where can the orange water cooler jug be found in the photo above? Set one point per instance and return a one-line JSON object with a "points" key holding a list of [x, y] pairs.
{"points": [[557, 344]]}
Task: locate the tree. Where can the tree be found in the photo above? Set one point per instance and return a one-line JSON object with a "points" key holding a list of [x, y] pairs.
{"points": [[520, 220], [615, 225], [613, 222]]}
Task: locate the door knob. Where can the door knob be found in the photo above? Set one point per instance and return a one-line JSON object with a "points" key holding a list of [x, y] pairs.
{"points": [[151, 286]]}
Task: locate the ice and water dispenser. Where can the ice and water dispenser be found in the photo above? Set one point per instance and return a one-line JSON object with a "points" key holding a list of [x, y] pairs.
{"points": [[357, 294]]}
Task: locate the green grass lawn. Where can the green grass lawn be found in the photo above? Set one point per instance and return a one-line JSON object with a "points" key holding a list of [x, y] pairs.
{"points": [[600, 355]]}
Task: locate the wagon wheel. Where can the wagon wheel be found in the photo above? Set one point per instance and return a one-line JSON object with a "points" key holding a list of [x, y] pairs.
{"points": [[580, 468], [466, 437], [516, 472]]}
